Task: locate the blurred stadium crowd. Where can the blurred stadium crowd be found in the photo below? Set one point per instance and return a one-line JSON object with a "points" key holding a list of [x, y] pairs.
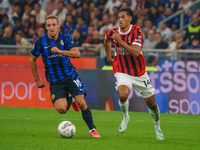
{"points": [[22, 21]]}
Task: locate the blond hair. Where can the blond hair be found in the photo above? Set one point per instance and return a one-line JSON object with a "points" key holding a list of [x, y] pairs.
{"points": [[51, 17]]}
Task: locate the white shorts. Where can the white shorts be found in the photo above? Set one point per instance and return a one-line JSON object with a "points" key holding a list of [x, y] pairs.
{"points": [[141, 84]]}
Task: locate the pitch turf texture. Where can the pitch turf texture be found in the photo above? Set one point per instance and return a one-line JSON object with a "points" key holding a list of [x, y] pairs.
{"points": [[34, 128]]}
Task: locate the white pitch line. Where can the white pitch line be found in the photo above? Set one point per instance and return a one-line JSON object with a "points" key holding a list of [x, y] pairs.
{"points": [[108, 120]]}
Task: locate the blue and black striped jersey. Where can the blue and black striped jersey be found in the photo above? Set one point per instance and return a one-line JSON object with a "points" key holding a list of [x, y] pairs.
{"points": [[57, 66]]}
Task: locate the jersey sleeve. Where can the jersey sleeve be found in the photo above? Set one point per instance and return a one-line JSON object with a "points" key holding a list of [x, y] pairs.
{"points": [[69, 43], [36, 50], [137, 37]]}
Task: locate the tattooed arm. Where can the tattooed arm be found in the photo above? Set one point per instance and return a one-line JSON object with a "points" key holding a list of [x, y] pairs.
{"points": [[107, 45]]}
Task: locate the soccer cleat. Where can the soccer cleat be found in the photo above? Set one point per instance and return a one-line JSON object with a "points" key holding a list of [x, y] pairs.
{"points": [[94, 133], [159, 134], [123, 125], [75, 105]]}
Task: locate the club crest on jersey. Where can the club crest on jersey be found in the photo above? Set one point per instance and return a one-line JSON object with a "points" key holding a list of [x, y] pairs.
{"points": [[61, 42], [53, 96], [122, 51]]}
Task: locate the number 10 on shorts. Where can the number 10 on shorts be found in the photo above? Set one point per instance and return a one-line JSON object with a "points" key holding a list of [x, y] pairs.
{"points": [[77, 82]]}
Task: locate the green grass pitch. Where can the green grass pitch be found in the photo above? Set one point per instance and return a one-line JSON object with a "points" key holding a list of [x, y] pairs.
{"points": [[35, 128]]}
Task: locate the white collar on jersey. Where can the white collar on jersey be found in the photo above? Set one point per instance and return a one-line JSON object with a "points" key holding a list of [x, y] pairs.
{"points": [[124, 33]]}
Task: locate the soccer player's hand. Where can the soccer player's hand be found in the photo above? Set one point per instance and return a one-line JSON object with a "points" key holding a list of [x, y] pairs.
{"points": [[55, 50], [110, 61], [40, 84], [116, 36]]}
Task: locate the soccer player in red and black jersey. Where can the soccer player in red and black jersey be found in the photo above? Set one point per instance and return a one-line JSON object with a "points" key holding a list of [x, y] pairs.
{"points": [[129, 68]]}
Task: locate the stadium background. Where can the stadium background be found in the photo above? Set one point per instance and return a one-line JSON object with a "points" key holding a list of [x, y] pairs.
{"points": [[176, 81]]}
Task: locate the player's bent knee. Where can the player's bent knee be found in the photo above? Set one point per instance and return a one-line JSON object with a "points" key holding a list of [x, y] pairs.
{"points": [[62, 110], [82, 105], [123, 97]]}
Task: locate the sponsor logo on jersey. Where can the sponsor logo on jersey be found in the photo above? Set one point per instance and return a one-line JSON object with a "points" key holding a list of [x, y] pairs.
{"points": [[137, 40], [47, 47], [129, 40], [57, 55], [122, 51]]}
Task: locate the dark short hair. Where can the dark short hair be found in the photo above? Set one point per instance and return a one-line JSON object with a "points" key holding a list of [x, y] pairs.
{"points": [[78, 30], [41, 27], [162, 5], [116, 7], [82, 17], [149, 20], [91, 26], [32, 16], [38, 4], [17, 5], [27, 4], [69, 15], [17, 19], [18, 34], [195, 38], [127, 10], [97, 8], [151, 58], [22, 32], [60, 2], [158, 33], [154, 6], [6, 16]]}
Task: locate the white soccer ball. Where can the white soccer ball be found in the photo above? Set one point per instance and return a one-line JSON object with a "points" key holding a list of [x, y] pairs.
{"points": [[66, 129]]}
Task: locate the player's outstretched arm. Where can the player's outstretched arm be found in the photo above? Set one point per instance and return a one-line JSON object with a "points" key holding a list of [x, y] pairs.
{"points": [[134, 49], [33, 66], [107, 46], [72, 53]]}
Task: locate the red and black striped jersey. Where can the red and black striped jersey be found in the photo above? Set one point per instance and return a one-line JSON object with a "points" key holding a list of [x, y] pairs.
{"points": [[124, 62]]}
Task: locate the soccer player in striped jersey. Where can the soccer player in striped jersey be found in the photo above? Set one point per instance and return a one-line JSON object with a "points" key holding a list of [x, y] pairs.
{"points": [[129, 68], [56, 48]]}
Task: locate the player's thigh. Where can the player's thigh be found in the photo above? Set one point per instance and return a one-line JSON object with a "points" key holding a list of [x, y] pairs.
{"points": [[123, 85], [143, 85], [75, 86], [58, 91], [122, 79], [61, 105]]}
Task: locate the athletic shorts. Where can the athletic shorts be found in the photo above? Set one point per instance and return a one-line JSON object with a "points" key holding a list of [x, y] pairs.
{"points": [[69, 85], [142, 84]]}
